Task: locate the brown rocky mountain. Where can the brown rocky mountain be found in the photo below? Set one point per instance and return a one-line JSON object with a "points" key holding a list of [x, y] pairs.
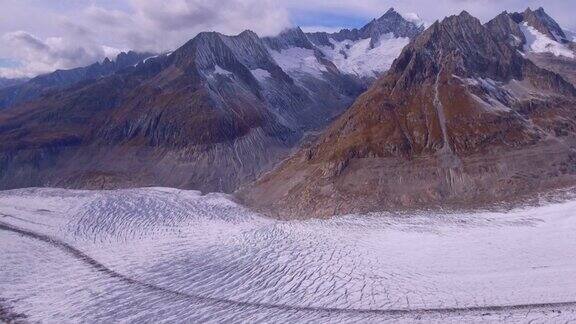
{"points": [[463, 119]]}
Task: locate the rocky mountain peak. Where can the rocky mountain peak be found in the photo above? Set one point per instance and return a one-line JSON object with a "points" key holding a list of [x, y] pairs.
{"points": [[464, 18], [209, 49], [390, 14], [129, 58], [390, 22], [542, 22], [463, 43], [248, 34], [506, 29], [291, 37], [451, 29]]}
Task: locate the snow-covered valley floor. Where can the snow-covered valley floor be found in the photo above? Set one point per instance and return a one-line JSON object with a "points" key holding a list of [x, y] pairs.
{"points": [[167, 255]]}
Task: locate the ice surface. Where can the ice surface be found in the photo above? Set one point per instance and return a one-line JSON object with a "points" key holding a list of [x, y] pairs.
{"points": [[540, 43], [359, 59], [167, 255], [297, 60]]}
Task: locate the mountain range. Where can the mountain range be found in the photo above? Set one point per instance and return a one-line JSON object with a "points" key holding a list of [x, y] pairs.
{"points": [[389, 116], [211, 115]]}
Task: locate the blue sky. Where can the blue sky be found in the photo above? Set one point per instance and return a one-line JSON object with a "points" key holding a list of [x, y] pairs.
{"points": [[327, 19], [9, 62], [38, 36]]}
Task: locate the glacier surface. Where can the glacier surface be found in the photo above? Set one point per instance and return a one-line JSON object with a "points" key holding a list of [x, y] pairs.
{"points": [[166, 255]]}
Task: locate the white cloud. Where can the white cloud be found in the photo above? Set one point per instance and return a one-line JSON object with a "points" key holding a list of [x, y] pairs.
{"points": [[164, 25], [88, 33], [38, 56]]}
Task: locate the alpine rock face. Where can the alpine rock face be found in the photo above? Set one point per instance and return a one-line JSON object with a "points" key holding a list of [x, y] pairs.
{"points": [[210, 116], [463, 118]]}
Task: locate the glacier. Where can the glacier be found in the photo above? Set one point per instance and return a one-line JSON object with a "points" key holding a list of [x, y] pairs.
{"points": [[359, 59], [165, 255]]}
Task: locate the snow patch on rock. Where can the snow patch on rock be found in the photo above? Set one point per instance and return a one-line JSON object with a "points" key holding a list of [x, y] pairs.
{"points": [[219, 70], [261, 74], [298, 60], [493, 96], [539, 43]]}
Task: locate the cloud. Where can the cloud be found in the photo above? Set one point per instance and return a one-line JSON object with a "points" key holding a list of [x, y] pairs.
{"points": [[264, 16], [164, 25], [38, 56], [82, 34]]}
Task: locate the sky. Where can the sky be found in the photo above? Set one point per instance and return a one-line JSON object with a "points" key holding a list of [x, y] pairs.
{"points": [[39, 36]]}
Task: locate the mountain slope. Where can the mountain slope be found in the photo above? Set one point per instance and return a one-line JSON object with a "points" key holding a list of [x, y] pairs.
{"points": [[36, 87], [209, 116], [461, 119]]}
